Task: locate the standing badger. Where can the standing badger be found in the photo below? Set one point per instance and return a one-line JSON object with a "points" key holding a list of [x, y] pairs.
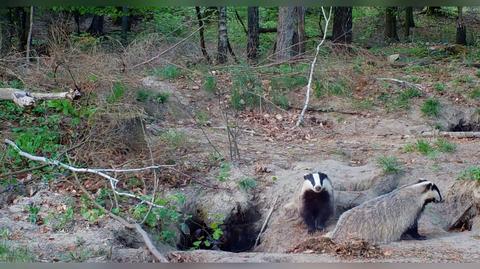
{"points": [[316, 201], [388, 217]]}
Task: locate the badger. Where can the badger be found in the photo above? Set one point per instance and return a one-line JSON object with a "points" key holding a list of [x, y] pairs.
{"points": [[388, 217], [316, 201]]}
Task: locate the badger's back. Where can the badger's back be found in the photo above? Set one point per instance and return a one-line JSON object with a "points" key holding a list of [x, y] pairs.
{"points": [[380, 220]]}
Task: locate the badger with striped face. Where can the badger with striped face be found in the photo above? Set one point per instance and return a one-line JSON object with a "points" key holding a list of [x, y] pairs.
{"points": [[316, 201], [389, 217]]}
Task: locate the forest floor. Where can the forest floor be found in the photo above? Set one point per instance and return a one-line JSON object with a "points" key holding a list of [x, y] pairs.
{"points": [[345, 134]]}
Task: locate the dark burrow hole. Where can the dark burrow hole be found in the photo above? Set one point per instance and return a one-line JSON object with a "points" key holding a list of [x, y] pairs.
{"points": [[240, 231], [464, 126]]}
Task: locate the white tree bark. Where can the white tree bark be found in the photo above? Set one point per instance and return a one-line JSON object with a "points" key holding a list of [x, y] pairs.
{"points": [[24, 98], [312, 67]]}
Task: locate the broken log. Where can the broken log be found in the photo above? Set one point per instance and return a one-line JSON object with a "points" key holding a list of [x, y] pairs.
{"points": [[25, 98], [452, 134]]}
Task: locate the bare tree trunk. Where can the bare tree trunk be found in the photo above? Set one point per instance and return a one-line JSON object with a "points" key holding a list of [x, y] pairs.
{"points": [[290, 32], [5, 32], [125, 24], [342, 25], [461, 28], [202, 35], [409, 22], [299, 35], [21, 28], [222, 47], [29, 38], [253, 33], [391, 24], [96, 27]]}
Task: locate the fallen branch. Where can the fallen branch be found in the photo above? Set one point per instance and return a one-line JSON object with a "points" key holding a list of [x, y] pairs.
{"points": [[113, 181], [265, 223], [452, 134], [25, 99], [312, 67], [125, 223], [404, 84]]}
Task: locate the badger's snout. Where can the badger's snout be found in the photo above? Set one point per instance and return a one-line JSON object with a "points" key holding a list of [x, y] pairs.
{"points": [[318, 188]]}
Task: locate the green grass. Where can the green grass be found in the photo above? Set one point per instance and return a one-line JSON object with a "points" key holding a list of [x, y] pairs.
{"points": [[210, 84], [161, 97], [167, 72], [144, 95], [339, 87], [426, 148], [247, 183], [477, 74], [118, 91], [431, 107], [280, 99], [12, 254], [399, 101], [389, 164], [439, 87], [475, 94], [445, 146], [224, 171], [471, 173], [175, 139]]}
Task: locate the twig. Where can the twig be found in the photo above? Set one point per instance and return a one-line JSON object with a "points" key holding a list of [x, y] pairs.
{"points": [[29, 38], [312, 67], [265, 223], [153, 167], [167, 50], [113, 181], [150, 245], [403, 83], [136, 226], [155, 177]]}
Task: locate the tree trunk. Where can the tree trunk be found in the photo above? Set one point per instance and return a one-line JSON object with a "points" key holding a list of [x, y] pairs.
{"points": [[290, 32], [253, 33], [96, 27], [299, 35], [461, 29], [222, 47], [202, 35], [125, 24], [409, 22], [21, 29], [342, 25], [391, 24], [5, 32]]}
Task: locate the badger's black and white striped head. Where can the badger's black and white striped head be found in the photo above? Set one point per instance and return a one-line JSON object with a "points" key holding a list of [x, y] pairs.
{"points": [[316, 182], [430, 192]]}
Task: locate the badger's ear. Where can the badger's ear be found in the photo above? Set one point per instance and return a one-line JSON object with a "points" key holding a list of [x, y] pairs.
{"points": [[305, 177]]}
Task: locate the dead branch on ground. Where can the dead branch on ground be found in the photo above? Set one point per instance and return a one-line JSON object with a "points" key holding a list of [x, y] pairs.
{"points": [[113, 181], [26, 99], [452, 134], [148, 242], [404, 84]]}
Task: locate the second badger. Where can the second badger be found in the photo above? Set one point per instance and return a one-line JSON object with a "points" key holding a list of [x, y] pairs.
{"points": [[388, 217], [316, 201]]}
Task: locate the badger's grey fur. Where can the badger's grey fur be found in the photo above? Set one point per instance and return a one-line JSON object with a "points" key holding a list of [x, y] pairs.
{"points": [[316, 201], [388, 217]]}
